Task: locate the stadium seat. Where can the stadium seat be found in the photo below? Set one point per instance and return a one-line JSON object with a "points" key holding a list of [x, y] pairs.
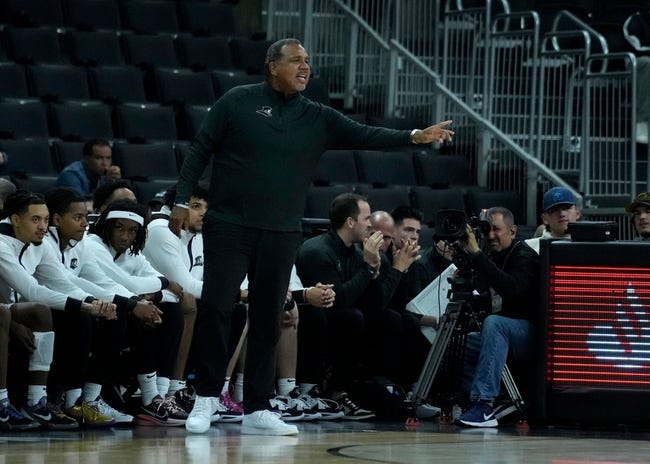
{"points": [[67, 152], [29, 157], [319, 199], [386, 198], [146, 161], [150, 51], [430, 201], [92, 15], [194, 116], [93, 48], [226, 80], [81, 120], [439, 171], [35, 184], [34, 13], [58, 82], [207, 18], [182, 86], [146, 190], [34, 45], [22, 119], [205, 53], [117, 84], [150, 17], [146, 122], [249, 55], [336, 167], [13, 81], [385, 168]]}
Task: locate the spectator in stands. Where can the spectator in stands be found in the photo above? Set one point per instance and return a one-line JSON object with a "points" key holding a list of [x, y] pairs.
{"points": [[640, 211], [6, 188], [560, 210], [511, 270], [258, 189], [117, 239], [31, 272], [94, 168]]}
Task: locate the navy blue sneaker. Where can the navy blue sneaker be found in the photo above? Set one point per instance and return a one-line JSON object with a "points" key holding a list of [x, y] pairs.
{"points": [[480, 415]]}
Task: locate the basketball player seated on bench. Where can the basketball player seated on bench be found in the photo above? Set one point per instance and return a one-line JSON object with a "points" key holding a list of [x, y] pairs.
{"points": [[511, 270]]}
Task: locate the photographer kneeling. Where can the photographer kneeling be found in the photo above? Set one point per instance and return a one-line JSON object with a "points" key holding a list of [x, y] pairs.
{"points": [[511, 270]]}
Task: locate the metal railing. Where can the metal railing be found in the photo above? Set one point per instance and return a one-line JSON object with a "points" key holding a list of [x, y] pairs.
{"points": [[522, 104]]}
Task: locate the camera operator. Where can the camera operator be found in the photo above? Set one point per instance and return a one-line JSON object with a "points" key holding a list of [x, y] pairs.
{"points": [[511, 269]]}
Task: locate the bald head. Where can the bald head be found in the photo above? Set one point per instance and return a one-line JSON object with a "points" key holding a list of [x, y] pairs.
{"points": [[383, 222]]}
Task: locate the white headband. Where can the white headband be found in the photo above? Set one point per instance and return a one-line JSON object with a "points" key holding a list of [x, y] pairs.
{"points": [[117, 214]]}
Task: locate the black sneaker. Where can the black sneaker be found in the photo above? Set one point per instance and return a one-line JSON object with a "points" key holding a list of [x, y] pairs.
{"points": [[154, 413], [328, 409], [351, 411], [11, 419], [280, 406], [49, 415], [185, 399], [303, 403]]}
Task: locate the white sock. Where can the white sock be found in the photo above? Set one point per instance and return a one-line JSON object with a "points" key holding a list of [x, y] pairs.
{"points": [[306, 387], [226, 385], [71, 397], [91, 391], [148, 387], [3, 394], [163, 385], [35, 393], [175, 385], [285, 386], [238, 391]]}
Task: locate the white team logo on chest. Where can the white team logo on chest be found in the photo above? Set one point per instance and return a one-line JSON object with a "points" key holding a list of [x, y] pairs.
{"points": [[265, 111]]}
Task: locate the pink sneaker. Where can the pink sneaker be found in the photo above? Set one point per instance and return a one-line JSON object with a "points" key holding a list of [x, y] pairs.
{"points": [[231, 411]]}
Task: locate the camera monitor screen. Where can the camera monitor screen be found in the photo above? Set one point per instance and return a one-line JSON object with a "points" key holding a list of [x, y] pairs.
{"points": [[596, 342]]}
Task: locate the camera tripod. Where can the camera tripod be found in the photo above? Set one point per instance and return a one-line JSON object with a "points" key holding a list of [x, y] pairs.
{"points": [[457, 314]]}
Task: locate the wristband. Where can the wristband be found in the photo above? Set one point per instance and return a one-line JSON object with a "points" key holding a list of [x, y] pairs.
{"points": [[413, 132]]}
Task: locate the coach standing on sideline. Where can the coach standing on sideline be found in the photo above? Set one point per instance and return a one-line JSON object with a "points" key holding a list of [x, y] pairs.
{"points": [[265, 140]]}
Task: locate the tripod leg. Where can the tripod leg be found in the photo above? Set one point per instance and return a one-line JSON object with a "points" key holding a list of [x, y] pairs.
{"points": [[513, 392], [447, 326]]}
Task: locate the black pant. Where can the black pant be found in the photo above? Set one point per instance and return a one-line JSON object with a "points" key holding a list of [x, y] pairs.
{"points": [[230, 252], [77, 335], [155, 348], [329, 336]]}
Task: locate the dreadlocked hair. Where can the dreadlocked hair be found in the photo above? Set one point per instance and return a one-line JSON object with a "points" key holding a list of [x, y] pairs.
{"points": [[103, 227]]}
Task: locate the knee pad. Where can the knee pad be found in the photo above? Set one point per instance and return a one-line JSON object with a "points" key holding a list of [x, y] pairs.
{"points": [[41, 358]]}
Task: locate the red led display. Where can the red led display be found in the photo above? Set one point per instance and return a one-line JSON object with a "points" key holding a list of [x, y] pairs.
{"points": [[598, 332]]}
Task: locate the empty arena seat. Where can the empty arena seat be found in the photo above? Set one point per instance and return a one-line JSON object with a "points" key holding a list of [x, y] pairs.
{"points": [[29, 157], [182, 86], [58, 82], [150, 17], [207, 18], [23, 118], [81, 120], [146, 122], [146, 161], [34, 45], [117, 84], [205, 53], [13, 81], [92, 48], [92, 15], [385, 167], [336, 167]]}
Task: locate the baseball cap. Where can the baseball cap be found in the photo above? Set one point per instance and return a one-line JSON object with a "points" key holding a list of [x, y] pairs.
{"points": [[557, 196], [642, 199]]}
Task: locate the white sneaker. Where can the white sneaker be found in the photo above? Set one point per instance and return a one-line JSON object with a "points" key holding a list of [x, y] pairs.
{"points": [[266, 423], [108, 410], [199, 419]]}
